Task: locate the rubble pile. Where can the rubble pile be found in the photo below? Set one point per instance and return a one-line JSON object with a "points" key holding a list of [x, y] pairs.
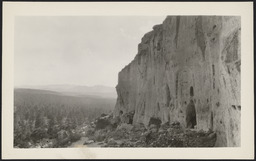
{"points": [[155, 135]]}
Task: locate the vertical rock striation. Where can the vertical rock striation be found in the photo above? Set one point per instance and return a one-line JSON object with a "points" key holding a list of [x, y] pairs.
{"points": [[188, 70]]}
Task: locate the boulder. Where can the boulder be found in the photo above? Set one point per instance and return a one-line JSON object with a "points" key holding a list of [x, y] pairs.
{"points": [[88, 142]]}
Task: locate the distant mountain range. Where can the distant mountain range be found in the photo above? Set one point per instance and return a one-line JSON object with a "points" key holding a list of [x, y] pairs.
{"points": [[75, 90]]}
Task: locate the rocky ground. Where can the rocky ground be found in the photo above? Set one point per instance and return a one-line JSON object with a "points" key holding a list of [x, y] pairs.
{"points": [[109, 132]]}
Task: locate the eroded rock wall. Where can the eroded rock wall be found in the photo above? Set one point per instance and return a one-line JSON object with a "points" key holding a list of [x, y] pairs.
{"points": [[188, 70]]}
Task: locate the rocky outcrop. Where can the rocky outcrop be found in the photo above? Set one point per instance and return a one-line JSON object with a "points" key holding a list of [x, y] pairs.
{"points": [[187, 70]]}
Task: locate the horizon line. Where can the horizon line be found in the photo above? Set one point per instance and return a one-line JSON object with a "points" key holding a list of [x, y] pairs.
{"points": [[18, 86]]}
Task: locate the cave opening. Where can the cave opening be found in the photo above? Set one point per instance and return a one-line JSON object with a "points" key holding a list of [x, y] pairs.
{"points": [[130, 121], [191, 91], [155, 121], [168, 95], [211, 123], [191, 115]]}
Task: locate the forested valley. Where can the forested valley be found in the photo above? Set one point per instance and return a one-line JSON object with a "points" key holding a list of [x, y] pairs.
{"points": [[46, 119]]}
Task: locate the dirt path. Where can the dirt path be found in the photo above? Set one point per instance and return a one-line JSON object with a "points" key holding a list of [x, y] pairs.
{"points": [[80, 143]]}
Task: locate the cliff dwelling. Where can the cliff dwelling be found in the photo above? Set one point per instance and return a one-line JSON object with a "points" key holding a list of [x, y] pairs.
{"points": [[205, 92]]}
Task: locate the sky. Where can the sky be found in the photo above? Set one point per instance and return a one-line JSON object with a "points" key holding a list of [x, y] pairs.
{"points": [[76, 50]]}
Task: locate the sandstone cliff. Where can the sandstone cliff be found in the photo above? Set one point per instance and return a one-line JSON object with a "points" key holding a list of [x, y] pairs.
{"points": [[187, 70]]}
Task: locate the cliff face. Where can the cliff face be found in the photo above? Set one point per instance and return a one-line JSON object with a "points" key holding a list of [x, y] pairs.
{"points": [[187, 70]]}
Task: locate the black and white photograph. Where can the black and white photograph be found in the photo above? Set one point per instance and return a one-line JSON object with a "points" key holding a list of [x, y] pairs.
{"points": [[182, 89], [127, 81]]}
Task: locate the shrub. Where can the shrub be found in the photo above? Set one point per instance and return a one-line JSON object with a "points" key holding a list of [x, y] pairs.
{"points": [[103, 115], [115, 121], [125, 126], [74, 137], [102, 123], [128, 117], [90, 132], [99, 135]]}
